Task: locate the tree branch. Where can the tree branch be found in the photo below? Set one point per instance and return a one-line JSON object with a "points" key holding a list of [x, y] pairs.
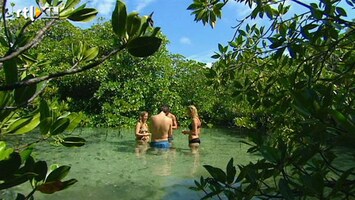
{"points": [[60, 74], [39, 37], [4, 20]]}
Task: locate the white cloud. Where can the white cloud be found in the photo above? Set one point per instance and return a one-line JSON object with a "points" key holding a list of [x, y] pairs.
{"points": [[209, 65], [142, 4], [241, 9], [185, 40], [204, 57], [104, 7]]}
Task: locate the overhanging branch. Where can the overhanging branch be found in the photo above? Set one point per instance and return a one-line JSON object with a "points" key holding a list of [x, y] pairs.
{"points": [[60, 74], [38, 38]]}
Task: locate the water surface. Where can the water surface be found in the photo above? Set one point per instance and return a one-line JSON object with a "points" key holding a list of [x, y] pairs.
{"points": [[111, 166]]}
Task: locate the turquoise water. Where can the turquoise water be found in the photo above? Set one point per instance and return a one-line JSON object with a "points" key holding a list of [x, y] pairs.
{"points": [[111, 166]]}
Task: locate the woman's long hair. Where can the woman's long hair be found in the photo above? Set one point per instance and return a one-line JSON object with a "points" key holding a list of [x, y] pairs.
{"points": [[193, 111], [141, 115]]}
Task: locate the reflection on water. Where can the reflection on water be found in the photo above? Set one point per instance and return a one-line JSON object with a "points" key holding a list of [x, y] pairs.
{"points": [[113, 166]]}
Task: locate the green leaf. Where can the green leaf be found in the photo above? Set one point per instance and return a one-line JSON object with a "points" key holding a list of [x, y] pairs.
{"points": [[29, 126], [316, 13], [341, 11], [118, 20], [341, 182], [4, 98], [285, 189], [314, 183], [133, 24], [271, 154], [25, 93], [220, 48], [20, 197], [73, 142], [25, 154], [90, 54], [195, 5], [18, 123], [70, 4], [28, 58], [155, 31], [59, 126], [75, 120], [145, 23], [216, 173], [9, 166], [231, 171], [14, 181], [58, 174], [83, 15], [40, 168], [68, 183], [4, 152], [342, 120], [143, 46], [44, 109], [45, 125], [212, 19], [11, 72]]}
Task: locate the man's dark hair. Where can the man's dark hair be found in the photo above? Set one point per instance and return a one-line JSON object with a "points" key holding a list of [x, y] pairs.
{"points": [[165, 109]]}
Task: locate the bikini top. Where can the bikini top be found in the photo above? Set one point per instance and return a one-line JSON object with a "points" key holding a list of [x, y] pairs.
{"points": [[190, 126]]}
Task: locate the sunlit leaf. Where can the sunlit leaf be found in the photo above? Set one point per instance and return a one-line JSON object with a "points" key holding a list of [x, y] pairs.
{"points": [[83, 15], [58, 174], [59, 126], [118, 19]]}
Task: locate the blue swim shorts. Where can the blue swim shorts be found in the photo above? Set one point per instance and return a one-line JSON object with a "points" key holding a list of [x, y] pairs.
{"points": [[160, 144]]}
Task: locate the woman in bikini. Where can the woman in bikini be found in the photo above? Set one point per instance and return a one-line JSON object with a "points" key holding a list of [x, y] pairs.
{"points": [[195, 128], [142, 133]]}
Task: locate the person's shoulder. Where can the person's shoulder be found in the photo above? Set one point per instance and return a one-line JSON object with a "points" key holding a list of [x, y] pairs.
{"points": [[168, 118], [138, 123]]}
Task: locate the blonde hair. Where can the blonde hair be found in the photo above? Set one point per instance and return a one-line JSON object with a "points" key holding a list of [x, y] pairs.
{"points": [[193, 111]]}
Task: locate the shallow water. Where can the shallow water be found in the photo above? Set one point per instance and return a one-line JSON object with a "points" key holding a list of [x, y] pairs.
{"points": [[111, 166]]}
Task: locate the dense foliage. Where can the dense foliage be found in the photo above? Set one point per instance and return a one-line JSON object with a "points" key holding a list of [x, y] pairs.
{"points": [[296, 77], [293, 80], [26, 74], [113, 95]]}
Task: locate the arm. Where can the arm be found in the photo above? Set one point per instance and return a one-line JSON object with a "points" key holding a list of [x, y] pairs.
{"points": [[194, 128], [170, 132], [138, 127], [175, 124]]}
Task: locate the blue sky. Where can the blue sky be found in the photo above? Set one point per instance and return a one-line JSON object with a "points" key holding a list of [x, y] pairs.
{"points": [[188, 38]]}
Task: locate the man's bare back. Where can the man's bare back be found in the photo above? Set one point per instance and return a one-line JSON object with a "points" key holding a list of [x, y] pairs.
{"points": [[161, 127]]}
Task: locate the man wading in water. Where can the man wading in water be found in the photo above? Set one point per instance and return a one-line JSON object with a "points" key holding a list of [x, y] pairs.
{"points": [[161, 129]]}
